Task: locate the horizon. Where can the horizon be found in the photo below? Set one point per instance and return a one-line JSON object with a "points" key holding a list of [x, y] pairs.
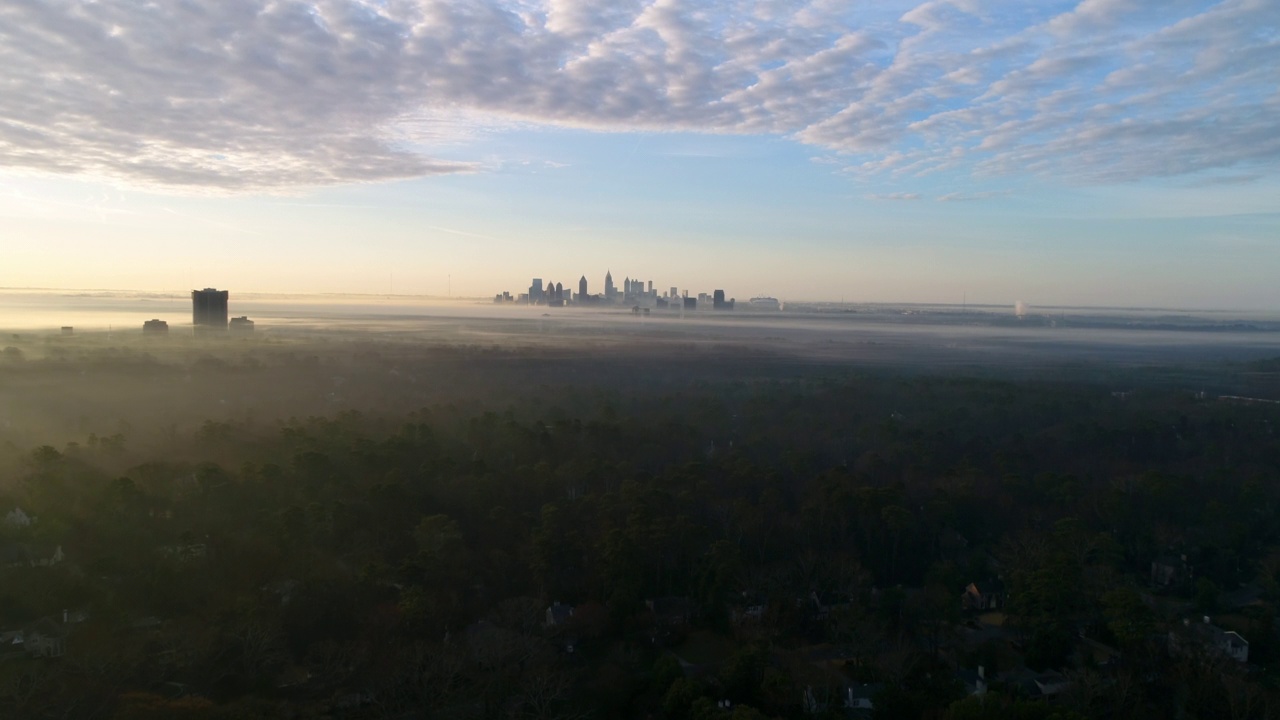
{"points": [[183, 296], [1064, 154]]}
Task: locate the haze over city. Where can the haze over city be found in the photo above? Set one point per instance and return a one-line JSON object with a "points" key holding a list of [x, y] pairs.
{"points": [[1105, 152]]}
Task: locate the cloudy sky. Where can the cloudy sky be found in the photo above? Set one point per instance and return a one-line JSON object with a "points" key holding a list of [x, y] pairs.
{"points": [[1105, 152]]}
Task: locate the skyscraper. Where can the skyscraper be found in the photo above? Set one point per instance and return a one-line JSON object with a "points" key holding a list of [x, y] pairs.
{"points": [[609, 290], [209, 309], [582, 286]]}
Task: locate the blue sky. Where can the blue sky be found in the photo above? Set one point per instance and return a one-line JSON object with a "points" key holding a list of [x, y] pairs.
{"points": [[1106, 152]]}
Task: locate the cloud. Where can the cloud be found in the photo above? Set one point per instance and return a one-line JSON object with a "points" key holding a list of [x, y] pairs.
{"points": [[252, 95], [895, 196], [965, 197]]}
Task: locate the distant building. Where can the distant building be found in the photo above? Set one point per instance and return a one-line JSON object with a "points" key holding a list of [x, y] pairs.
{"points": [[719, 303], [582, 286], [690, 303], [241, 325], [209, 309], [609, 290], [155, 327], [535, 291]]}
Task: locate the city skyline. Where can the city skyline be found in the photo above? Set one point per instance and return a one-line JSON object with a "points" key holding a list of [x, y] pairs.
{"points": [[1100, 152]]}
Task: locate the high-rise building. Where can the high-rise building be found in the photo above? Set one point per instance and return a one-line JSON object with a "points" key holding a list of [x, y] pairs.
{"points": [[609, 290], [535, 291], [241, 325], [155, 327], [582, 287], [209, 309]]}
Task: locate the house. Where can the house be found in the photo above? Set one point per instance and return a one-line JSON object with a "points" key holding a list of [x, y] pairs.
{"points": [[975, 681], [983, 596], [1051, 683], [45, 555], [17, 518], [1043, 685], [11, 644], [859, 697], [184, 553], [22, 554], [559, 615], [45, 639], [1210, 637], [747, 608], [856, 700], [824, 603]]}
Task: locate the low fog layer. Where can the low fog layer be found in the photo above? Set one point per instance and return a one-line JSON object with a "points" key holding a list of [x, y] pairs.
{"points": [[323, 356]]}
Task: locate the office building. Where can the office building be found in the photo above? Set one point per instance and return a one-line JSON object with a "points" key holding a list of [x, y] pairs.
{"points": [[209, 309], [155, 327], [582, 287], [241, 325]]}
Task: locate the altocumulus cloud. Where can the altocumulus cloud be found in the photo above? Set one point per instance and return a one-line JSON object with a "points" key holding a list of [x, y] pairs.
{"points": [[240, 95]]}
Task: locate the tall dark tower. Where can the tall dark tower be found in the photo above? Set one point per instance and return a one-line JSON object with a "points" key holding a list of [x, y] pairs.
{"points": [[582, 287], [209, 309]]}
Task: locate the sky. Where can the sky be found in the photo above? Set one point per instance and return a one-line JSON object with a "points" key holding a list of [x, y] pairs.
{"points": [[1102, 152]]}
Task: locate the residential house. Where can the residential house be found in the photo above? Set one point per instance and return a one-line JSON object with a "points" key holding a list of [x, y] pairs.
{"points": [[983, 596], [45, 639], [747, 608], [17, 518], [1043, 685], [823, 604], [1051, 684], [30, 555], [975, 681], [11, 644], [559, 615], [856, 700], [1206, 635], [859, 697], [184, 553]]}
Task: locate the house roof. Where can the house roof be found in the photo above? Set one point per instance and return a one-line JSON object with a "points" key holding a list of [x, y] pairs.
{"points": [[560, 613]]}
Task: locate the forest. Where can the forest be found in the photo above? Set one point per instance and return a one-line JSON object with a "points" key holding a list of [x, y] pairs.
{"points": [[587, 538]]}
